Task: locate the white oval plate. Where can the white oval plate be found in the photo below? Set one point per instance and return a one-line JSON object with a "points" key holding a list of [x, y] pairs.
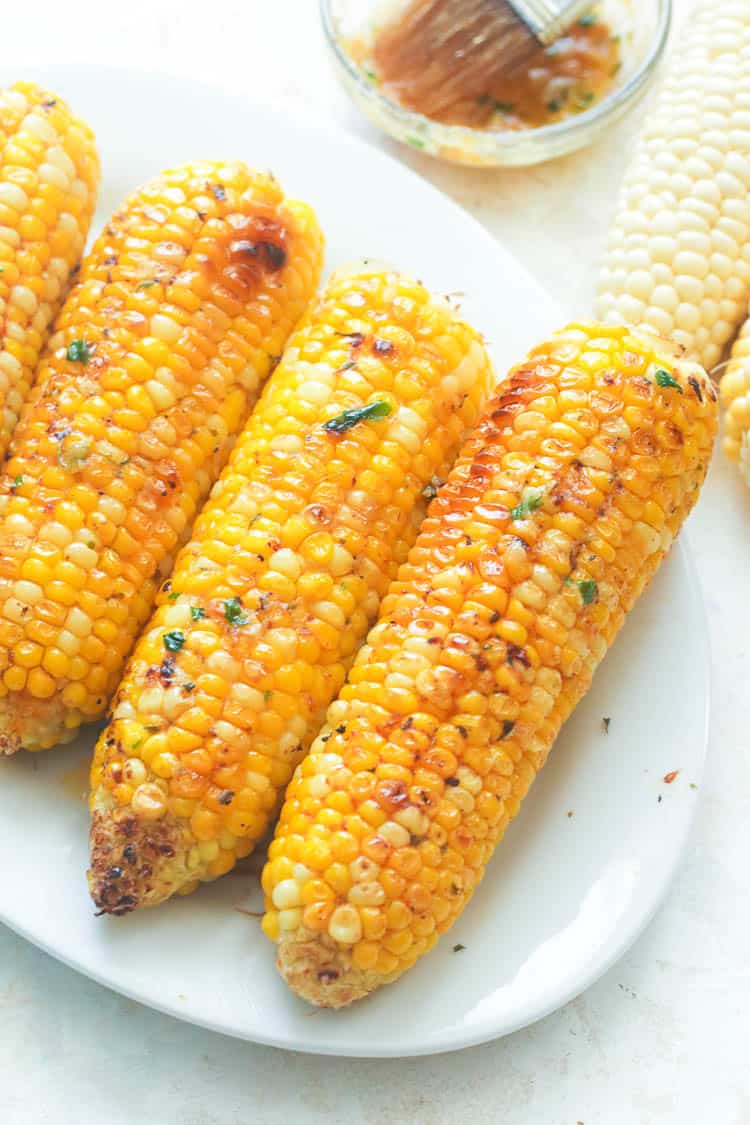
{"points": [[594, 849]]}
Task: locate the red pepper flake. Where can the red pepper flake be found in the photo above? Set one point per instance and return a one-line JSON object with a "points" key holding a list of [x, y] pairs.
{"points": [[669, 777]]}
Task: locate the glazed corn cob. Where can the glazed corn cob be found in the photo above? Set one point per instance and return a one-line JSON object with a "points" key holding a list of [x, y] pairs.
{"points": [[49, 176], [560, 508], [679, 249], [735, 398], [185, 301], [268, 603]]}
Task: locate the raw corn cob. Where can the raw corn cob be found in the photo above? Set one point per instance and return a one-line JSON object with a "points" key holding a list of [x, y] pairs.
{"points": [[49, 177], [679, 250], [269, 601], [183, 305], [735, 398], [556, 515]]}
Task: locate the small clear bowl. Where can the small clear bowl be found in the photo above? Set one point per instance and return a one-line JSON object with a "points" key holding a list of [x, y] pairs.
{"points": [[643, 26]]}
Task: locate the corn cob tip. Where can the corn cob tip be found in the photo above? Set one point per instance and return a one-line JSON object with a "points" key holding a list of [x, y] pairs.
{"points": [[126, 857], [322, 975]]}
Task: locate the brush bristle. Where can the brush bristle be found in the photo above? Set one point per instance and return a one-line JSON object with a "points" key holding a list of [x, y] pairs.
{"points": [[441, 54]]}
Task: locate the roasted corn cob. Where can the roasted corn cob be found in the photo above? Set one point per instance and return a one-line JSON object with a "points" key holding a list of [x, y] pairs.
{"points": [[184, 302], [560, 508], [679, 250], [735, 398], [49, 176], [270, 600]]}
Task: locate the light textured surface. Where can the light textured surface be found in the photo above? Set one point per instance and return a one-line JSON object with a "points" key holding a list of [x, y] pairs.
{"points": [[661, 1038]]}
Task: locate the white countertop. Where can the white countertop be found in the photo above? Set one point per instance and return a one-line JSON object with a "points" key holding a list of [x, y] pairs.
{"points": [[662, 1037]]}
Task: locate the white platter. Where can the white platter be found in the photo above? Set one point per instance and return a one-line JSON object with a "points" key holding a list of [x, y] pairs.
{"points": [[566, 894]]}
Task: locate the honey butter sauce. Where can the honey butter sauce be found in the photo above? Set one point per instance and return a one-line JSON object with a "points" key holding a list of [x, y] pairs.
{"points": [[555, 82]]}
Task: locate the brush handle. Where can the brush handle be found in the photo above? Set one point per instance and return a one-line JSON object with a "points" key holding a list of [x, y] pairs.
{"points": [[548, 19]]}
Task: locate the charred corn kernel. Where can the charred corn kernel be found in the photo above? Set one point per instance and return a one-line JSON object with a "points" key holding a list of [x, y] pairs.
{"points": [[125, 431], [332, 451], [49, 178], [440, 836], [677, 256]]}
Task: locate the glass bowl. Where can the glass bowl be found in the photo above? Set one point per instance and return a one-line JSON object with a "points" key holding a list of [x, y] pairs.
{"points": [[643, 27]]}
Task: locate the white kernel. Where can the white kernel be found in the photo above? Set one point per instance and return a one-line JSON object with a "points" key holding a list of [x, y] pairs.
{"points": [[286, 562], [366, 894], [331, 613], [24, 299], [68, 642], [28, 592], [341, 561], [41, 128], [230, 734], [291, 919], [345, 925], [301, 873], [81, 554], [13, 196], [286, 894], [78, 622], [394, 834]]}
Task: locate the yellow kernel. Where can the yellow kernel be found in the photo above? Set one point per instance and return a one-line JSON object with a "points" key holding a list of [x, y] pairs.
{"points": [[205, 825], [270, 925], [40, 685], [365, 955], [27, 654], [315, 916]]}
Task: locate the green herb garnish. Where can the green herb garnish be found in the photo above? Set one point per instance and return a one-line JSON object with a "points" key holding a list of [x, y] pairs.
{"points": [[266, 696], [80, 351], [173, 596], [174, 640], [588, 590], [197, 613], [18, 480], [664, 379], [136, 744], [505, 107], [533, 499], [585, 98], [588, 20], [373, 412], [146, 284], [233, 612], [554, 106], [415, 142]]}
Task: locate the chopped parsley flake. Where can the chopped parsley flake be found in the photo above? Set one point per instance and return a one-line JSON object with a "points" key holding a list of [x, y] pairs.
{"points": [[173, 596], [415, 142], [533, 499], [587, 20], [664, 379], [146, 284], [174, 640], [505, 107], [373, 412], [80, 351], [197, 613], [18, 480], [588, 590], [233, 612], [136, 744]]}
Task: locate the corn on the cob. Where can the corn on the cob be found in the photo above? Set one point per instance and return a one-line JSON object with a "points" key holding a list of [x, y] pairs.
{"points": [[49, 176], [735, 398], [679, 250], [557, 513], [184, 302], [270, 600]]}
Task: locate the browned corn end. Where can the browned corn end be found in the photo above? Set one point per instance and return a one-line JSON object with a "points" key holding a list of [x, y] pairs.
{"points": [[557, 514], [183, 304], [270, 600], [49, 177]]}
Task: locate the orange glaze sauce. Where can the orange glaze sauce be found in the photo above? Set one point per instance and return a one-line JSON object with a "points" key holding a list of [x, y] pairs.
{"points": [[554, 83]]}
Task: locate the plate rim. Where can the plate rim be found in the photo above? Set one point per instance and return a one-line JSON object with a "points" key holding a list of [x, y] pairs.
{"points": [[483, 1032]]}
